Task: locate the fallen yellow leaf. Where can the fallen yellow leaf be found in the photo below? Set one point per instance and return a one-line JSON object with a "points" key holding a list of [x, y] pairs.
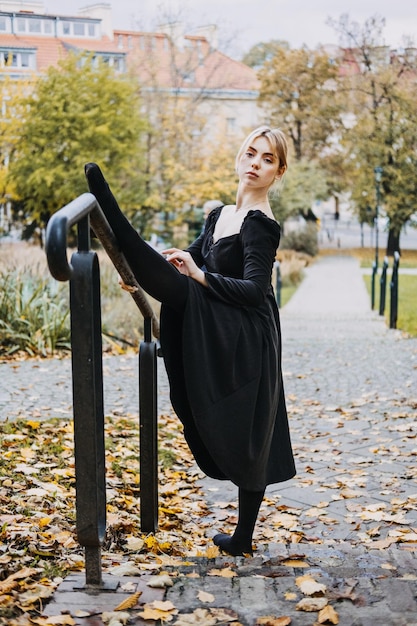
{"points": [[295, 563], [309, 586], [156, 614], [129, 602], [204, 596], [161, 581], [290, 595], [269, 620], [311, 604], [328, 614], [225, 572]]}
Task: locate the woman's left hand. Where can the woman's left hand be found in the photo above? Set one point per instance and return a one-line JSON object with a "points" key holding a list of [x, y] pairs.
{"points": [[185, 264]]}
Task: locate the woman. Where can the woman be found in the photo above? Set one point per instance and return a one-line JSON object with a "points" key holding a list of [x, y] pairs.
{"points": [[220, 331]]}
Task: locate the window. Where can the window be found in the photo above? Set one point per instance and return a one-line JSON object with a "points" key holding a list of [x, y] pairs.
{"points": [[92, 30], [21, 59], [34, 26], [3, 24], [79, 29], [66, 28], [8, 59], [47, 27], [21, 24]]}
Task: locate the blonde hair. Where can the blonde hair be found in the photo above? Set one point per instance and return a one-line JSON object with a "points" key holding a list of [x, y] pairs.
{"points": [[277, 141]]}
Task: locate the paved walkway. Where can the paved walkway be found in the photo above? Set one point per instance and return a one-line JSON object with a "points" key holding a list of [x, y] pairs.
{"points": [[349, 517]]}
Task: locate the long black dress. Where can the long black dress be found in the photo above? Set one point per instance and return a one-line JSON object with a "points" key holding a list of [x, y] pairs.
{"points": [[223, 358]]}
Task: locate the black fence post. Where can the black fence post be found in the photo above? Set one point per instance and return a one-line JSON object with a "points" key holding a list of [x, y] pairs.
{"points": [[383, 287], [394, 292], [148, 440], [278, 283], [87, 380], [373, 280]]}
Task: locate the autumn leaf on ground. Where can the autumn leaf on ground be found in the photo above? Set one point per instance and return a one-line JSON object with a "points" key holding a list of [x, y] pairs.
{"points": [[309, 586], [54, 620], [125, 569], [199, 617], [110, 618], [159, 610], [210, 553], [160, 582], [311, 604], [204, 596], [328, 615], [129, 602], [225, 572], [269, 620], [295, 563]]}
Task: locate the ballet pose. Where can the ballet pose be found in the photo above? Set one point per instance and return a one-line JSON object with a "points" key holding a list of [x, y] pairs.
{"points": [[220, 331]]}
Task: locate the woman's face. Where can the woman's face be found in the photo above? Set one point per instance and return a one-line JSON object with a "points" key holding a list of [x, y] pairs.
{"points": [[258, 166]]}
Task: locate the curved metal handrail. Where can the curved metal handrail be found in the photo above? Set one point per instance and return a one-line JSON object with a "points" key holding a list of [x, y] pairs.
{"points": [[57, 243]]}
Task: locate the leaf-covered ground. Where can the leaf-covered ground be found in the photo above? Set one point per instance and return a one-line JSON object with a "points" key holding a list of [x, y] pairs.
{"points": [[38, 547]]}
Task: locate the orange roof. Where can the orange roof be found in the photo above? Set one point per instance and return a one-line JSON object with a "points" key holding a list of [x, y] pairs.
{"points": [[49, 50], [196, 65], [192, 66]]}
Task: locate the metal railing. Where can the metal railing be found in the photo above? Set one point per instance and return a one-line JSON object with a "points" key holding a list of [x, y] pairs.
{"points": [[83, 274]]}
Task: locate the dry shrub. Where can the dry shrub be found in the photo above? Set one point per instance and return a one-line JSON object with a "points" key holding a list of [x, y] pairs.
{"points": [[23, 256], [292, 266]]}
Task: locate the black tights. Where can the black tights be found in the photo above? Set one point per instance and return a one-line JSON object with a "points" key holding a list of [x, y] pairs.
{"points": [[154, 274], [241, 540], [164, 283]]}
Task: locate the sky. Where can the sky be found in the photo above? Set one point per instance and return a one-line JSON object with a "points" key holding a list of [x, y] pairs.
{"points": [[243, 23]]}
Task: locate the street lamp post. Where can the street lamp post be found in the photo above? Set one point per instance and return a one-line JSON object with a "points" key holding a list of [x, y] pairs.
{"points": [[378, 175]]}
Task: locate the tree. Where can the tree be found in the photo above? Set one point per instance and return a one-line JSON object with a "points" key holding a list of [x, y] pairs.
{"points": [[383, 132], [78, 112], [301, 186], [12, 93], [298, 92], [180, 83], [262, 52]]}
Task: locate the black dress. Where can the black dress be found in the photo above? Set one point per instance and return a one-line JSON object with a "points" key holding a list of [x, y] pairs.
{"points": [[223, 358]]}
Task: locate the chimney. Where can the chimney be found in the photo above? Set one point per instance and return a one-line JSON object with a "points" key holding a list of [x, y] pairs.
{"points": [[101, 11], [175, 31], [210, 33]]}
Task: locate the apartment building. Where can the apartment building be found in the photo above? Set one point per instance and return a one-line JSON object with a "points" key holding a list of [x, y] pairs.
{"points": [[168, 61]]}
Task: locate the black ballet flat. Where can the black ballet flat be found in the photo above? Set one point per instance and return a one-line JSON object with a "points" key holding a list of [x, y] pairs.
{"points": [[226, 544]]}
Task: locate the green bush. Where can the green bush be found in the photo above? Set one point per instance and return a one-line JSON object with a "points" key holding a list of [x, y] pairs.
{"points": [[34, 314], [304, 240]]}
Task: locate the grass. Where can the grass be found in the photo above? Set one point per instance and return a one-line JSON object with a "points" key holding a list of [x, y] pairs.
{"points": [[366, 257]]}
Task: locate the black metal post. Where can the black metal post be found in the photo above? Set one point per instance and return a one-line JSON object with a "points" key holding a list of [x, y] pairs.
{"points": [[383, 286], [278, 283], [87, 380], [148, 448], [394, 292], [373, 280], [378, 175]]}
